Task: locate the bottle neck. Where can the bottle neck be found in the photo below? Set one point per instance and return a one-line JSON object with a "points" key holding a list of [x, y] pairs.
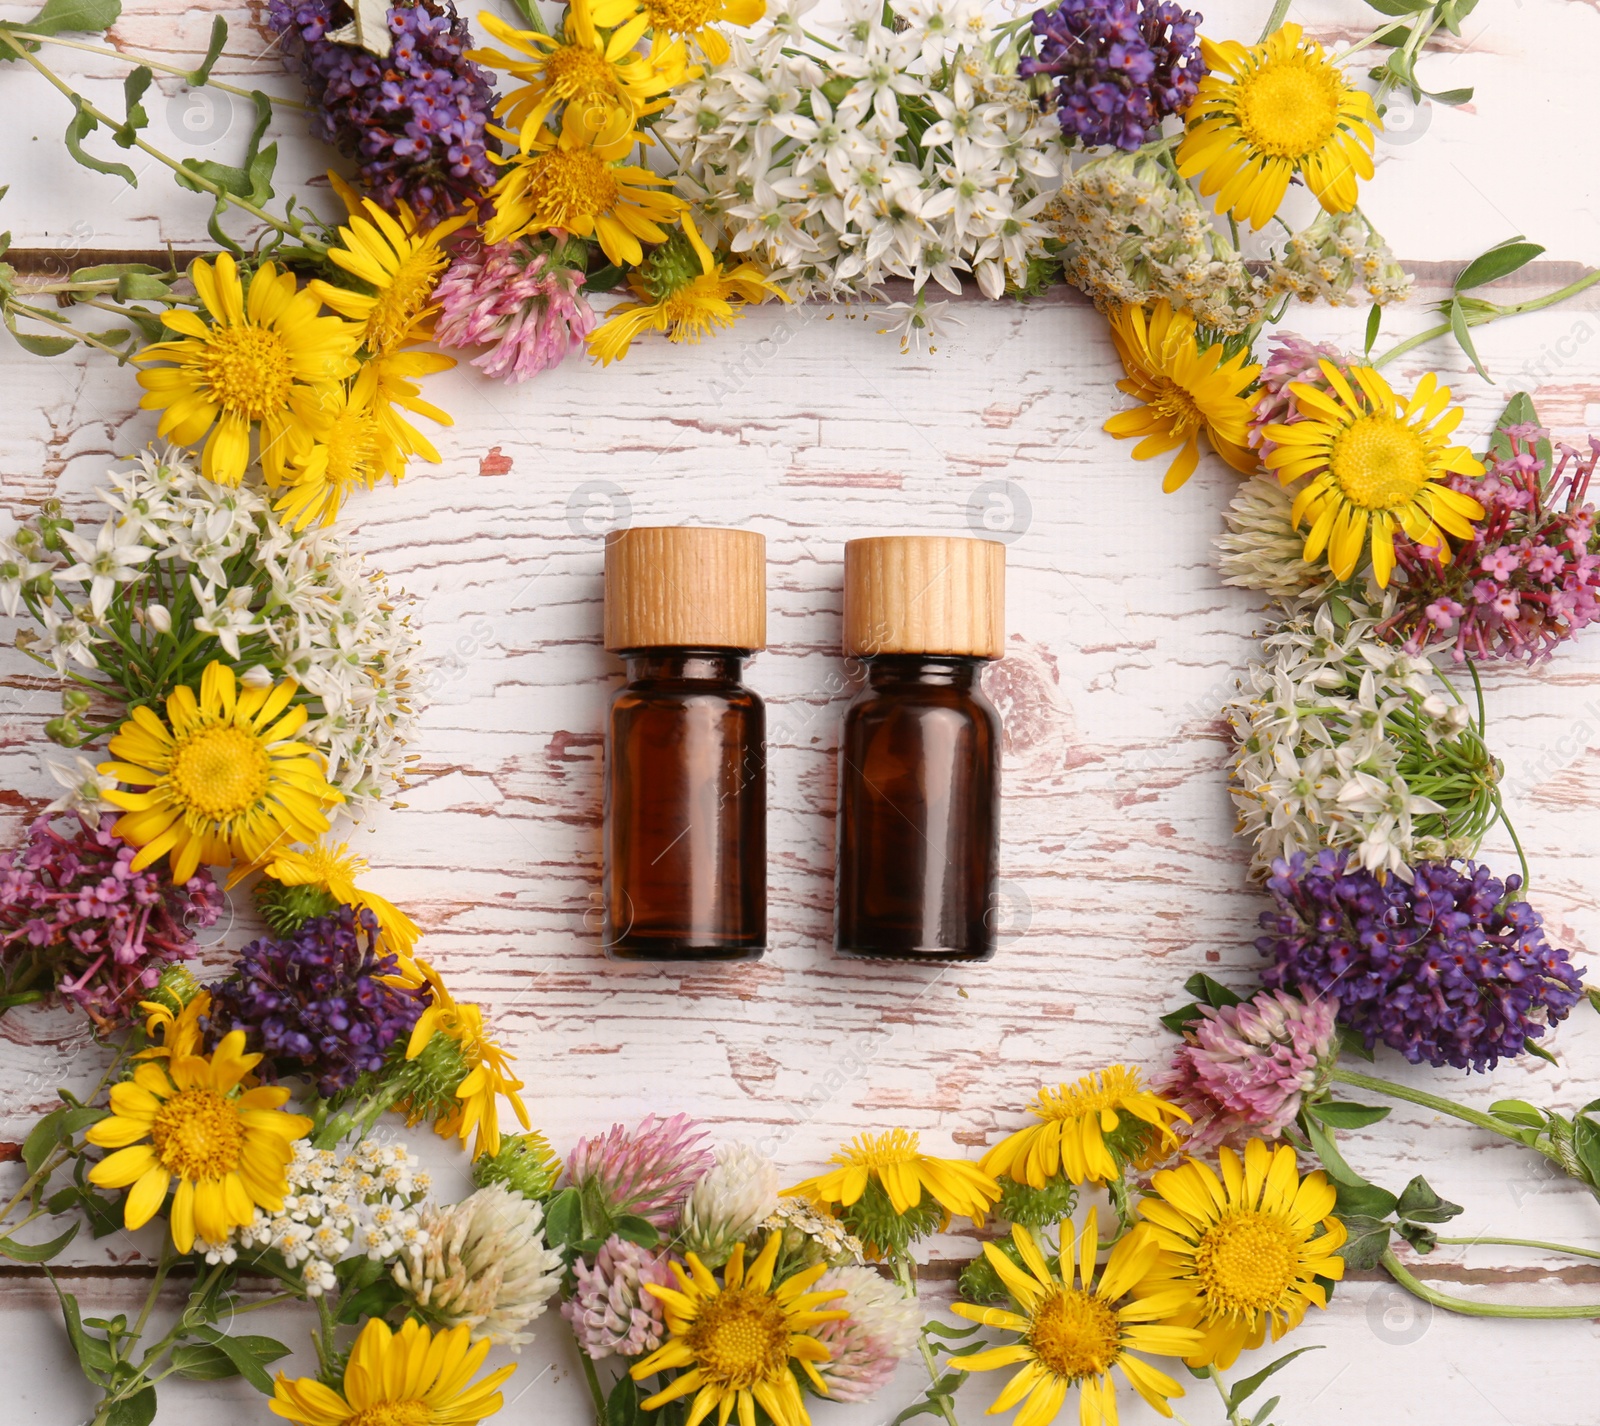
{"points": [[724, 666], [887, 671]]}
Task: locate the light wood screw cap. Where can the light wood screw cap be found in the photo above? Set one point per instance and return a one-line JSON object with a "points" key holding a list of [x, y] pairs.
{"points": [[924, 594], [686, 587]]}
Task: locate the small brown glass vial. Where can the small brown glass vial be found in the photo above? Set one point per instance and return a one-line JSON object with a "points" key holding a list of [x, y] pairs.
{"points": [[685, 776], [919, 760]]}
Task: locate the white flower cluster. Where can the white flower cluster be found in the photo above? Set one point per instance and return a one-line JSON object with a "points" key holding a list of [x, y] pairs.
{"points": [[1262, 548], [308, 608], [363, 1202], [1336, 732], [724, 1208], [906, 152]]}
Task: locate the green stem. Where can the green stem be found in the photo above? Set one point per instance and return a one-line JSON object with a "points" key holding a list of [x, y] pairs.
{"points": [[905, 1274], [1520, 1243], [1467, 1308], [593, 1379], [1280, 10], [129, 56], [1356, 1080], [163, 1267], [1494, 314]]}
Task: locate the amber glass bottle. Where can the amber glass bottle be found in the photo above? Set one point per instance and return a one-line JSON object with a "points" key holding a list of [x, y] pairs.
{"points": [[685, 778], [919, 760]]}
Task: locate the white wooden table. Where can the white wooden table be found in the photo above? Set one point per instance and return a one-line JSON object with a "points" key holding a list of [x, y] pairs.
{"points": [[1120, 870]]}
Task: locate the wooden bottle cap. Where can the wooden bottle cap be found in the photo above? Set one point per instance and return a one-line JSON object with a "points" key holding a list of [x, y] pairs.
{"points": [[924, 594], [686, 587]]}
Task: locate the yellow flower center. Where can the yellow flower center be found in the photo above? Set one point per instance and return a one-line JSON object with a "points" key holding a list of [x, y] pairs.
{"points": [[1289, 107], [247, 370], [1075, 1334], [577, 72], [570, 185], [220, 772], [1246, 1262], [1176, 406], [404, 300], [1092, 1095], [198, 1134], [394, 1413], [683, 17], [740, 1338], [352, 442], [899, 1146], [1379, 462]]}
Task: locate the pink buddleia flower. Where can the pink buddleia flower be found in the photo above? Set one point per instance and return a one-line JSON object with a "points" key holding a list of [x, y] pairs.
{"points": [[1243, 1070], [867, 1346], [647, 1172], [609, 1311], [521, 300]]}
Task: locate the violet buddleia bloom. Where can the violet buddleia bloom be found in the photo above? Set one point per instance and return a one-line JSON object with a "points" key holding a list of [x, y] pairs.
{"points": [[1450, 969], [314, 1003], [609, 1311], [521, 300], [646, 1172], [74, 913], [1121, 66], [1243, 1070], [416, 121]]}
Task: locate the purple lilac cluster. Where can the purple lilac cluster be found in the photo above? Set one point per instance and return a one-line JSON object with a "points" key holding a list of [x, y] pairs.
{"points": [[1528, 578], [75, 914], [417, 120], [1450, 968], [1120, 66], [315, 1002]]}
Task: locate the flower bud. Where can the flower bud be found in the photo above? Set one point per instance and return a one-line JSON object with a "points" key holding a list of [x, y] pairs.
{"points": [[158, 617], [75, 700]]}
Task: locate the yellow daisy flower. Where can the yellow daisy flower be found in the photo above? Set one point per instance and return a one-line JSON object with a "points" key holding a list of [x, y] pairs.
{"points": [[1246, 1249], [225, 782], [1183, 392], [242, 368], [332, 869], [413, 1377], [606, 79], [228, 1148], [733, 1343], [390, 383], [1376, 464], [1073, 1336], [577, 182], [896, 1162], [402, 267], [1074, 1121], [174, 1034], [354, 448], [692, 20], [684, 302], [488, 1077], [1266, 113]]}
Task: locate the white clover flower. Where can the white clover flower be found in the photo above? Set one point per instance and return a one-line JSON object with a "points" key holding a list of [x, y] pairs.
{"points": [[728, 1203]]}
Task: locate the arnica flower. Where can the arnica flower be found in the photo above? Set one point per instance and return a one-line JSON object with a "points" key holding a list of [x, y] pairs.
{"points": [[1088, 1131], [1244, 1070], [410, 1377], [321, 1002], [228, 1148], [521, 300], [476, 1095], [890, 1193], [865, 1348], [646, 1172], [1120, 67], [225, 781], [525, 1164], [1450, 969], [693, 21], [352, 448], [1528, 578], [682, 290], [485, 1265], [303, 882], [578, 183], [74, 914], [1373, 461], [733, 1343], [175, 1016], [604, 77], [1269, 113], [1071, 1336], [728, 1203], [1242, 1254], [262, 347], [609, 1311], [1183, 392]]}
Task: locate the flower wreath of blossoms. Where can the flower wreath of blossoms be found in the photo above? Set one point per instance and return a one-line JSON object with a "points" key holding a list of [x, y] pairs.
{"points": [[253, 683]]}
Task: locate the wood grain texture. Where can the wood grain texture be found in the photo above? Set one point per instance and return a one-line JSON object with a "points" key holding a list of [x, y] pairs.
{"points": [[1120, 875]]}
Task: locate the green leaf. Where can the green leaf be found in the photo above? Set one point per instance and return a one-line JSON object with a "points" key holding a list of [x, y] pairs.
{"points": [[1242, 1390], [93, 1353], [1339, 1115], [143, 287], [1368, 1238], [200, 1361], [80, 16], [136, 1410], [1424, 1240], [604, 279], [1374, 321], [79, 127], [1364, 1200], [133, 88], [1326, 1150], [1586, 1144], [377, 1300], [529, 10], [1538, 1051], [38, 346], [1458, 328], [1263, 1413], [1450, 96], [563, 1218], [1400, 7], [1210, 992], [249, 1354], [934, 1328], [1518, 1111], [622, 1406], [1181, 1019], [251, 180], [1500, 261], [1420, 1204], [36, 1252], [43, 1139], [219, 37], [640, 1231]]}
